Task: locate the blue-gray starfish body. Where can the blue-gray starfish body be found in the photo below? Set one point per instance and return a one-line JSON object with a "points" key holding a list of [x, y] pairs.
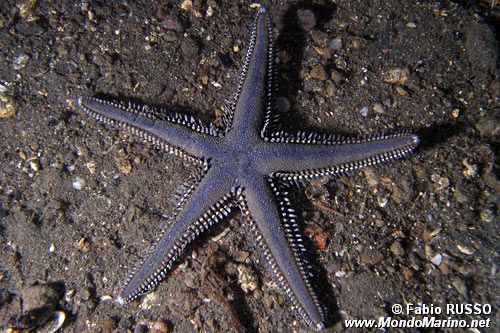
{"points": [[244, 165]]}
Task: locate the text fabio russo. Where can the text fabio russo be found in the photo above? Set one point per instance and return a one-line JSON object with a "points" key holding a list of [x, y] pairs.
{"points": [[447, 309]]}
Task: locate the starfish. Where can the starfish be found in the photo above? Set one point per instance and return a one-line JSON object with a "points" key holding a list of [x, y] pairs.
{"points": [[247, 164]]}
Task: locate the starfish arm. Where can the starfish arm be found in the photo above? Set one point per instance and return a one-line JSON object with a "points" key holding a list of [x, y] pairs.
{"points": [[257, 203], [205, 204], [251, 105], [299, 162], [168, 132]]}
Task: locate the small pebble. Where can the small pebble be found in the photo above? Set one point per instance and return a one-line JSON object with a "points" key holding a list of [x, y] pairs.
{"points": [[20, 61], [34, 164], [247, 279], [440, 183], [465, 250], [91, 166], [330, 89], [397, 249], [437, 259], [411, 25], [488, 126], [444, 268], [340, 64], [358, 43], [79, 183], [364, 111], [241, 256], [407, 273], [210, 11], [378, 108], [7, 108], [486, 215], [470, 169], [336, 44], [317, 72], [460, 286], [54, 323], [189, 48], [397, 76], [124, 165], [370, 176], [371, 257], [336, 76], [382, 201], [400, 90], [340, 274], [160, 326], [83, 244], [187, 5]]}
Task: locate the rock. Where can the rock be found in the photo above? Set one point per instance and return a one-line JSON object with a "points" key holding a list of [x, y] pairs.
{"points": [[187, 5], [330, 89], [486, 215], [40, 296], [54, 323], [336, 44], [371, 257], [189, 48], [241, 256], [396, 195], [7, 107], [444, 268], [160, 326], [488, 127], [437, 259], [397, 249], [247, 279], [317, 72], [83, 244], [494, 88], [460, 286], [123, 165], [465, 249], [378, 108], [470, 169], [364, 111], [406, 272], [79, 183], [382, 200], [336, 76], [440, 183], [39, 302], [370, 176], [400, 90], [397, 76], [20, 61]]}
